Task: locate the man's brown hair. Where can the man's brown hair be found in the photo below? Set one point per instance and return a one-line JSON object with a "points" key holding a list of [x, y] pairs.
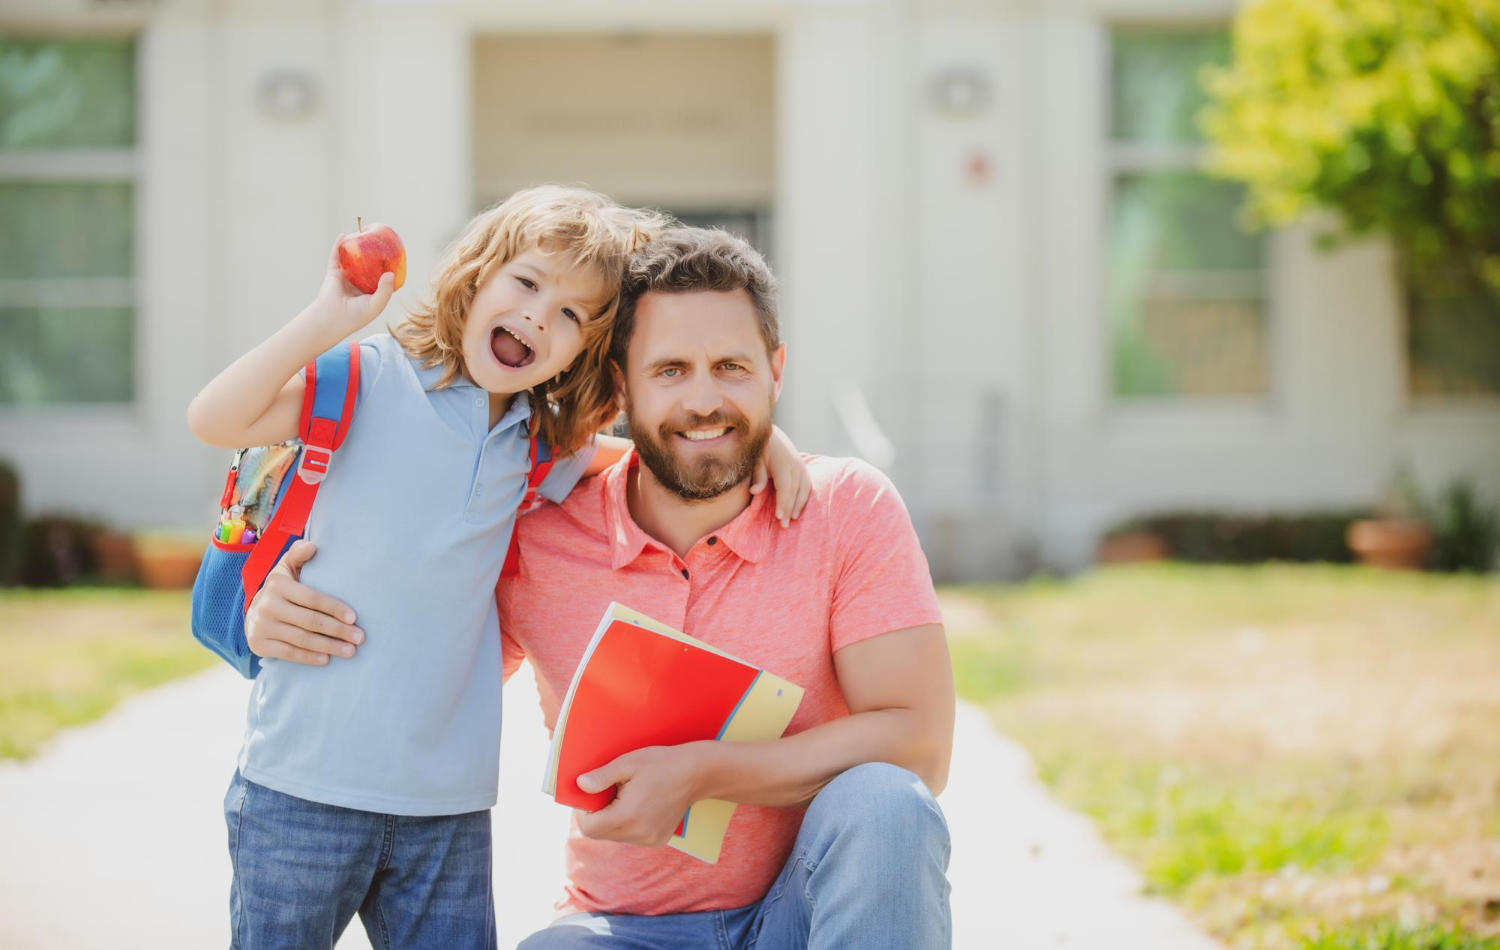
{"points": [[684, 260]]}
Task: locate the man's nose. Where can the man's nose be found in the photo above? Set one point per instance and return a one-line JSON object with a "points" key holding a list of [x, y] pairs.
{"points": [[703, 397]]}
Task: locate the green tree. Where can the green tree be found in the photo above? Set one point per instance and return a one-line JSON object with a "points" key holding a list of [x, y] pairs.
{"points": [[1386, 112]]}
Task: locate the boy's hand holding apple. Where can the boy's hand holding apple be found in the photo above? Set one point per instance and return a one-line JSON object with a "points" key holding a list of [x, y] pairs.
{"points": [[364, 269]]}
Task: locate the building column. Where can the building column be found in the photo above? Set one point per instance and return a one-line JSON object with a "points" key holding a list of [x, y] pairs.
{"points": [[837, 217]]}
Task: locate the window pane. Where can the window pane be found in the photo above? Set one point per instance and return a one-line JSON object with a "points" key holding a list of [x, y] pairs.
{"points": [[67, 93], [66, 229], [1453, 346], [1185, 290], [1155, 85], [73, 355], [1181, 221]]}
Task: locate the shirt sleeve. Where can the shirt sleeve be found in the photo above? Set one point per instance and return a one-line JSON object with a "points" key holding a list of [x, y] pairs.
{"points": [[883, 583], [370, 362], [566, 472]]}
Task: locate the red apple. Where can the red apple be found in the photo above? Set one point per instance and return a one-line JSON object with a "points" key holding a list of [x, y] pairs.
{"points": [[373, 251]]}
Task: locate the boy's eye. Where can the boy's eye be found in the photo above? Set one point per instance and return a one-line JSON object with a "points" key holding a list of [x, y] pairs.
{"points": [[568, 312], [527, 283]]}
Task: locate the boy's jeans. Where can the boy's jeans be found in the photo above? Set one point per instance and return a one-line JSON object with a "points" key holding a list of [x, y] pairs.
{"points": [[868, 872], [302, 870]]}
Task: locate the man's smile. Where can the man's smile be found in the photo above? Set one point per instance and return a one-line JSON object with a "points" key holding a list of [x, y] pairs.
{"points": [[707, 435]]}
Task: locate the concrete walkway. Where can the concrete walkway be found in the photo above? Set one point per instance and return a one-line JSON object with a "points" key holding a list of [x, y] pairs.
{"points": [[113, 839]]}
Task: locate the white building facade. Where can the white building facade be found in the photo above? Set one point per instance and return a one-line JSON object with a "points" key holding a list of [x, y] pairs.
{"points": [[1003, 278]]}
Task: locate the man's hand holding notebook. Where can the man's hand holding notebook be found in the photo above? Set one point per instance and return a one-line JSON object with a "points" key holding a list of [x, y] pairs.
{"points": [[641, 683]]}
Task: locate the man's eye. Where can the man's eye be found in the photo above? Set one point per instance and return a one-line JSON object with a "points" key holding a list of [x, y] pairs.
{"points": [[670, 372], [527, 283], [732, 367]]}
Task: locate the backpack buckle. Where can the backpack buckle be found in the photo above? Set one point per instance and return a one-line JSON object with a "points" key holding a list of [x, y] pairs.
{"points": [[313, 467]]}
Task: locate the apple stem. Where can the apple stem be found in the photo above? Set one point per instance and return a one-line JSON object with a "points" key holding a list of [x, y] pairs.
{"points": [[357, 225]]}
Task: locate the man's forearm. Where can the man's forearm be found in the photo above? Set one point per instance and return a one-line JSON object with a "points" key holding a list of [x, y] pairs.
{"points": [[790, 771]]}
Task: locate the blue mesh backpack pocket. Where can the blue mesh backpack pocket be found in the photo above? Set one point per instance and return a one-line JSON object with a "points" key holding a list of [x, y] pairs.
{"points": [[219, 605], [267, 498]]}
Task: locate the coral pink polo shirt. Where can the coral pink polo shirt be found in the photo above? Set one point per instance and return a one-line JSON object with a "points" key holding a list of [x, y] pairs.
{"points": [[784, 599]]}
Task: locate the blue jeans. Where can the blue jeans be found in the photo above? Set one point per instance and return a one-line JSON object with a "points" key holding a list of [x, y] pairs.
{"points": [[868, 871], [302, 870]]}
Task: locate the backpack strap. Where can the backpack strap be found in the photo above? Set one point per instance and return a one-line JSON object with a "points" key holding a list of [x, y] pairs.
{"points": [[328, 397], [541, 466]]}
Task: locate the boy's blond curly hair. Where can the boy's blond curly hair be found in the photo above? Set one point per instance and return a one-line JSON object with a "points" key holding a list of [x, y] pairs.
{"points": [[589, 230]]}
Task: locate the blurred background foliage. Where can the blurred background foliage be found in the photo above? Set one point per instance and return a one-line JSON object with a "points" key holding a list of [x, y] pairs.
{"points": [[1385, 113]]}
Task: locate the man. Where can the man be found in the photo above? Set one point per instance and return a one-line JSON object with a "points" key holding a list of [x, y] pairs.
{"points": [[837, 842]]}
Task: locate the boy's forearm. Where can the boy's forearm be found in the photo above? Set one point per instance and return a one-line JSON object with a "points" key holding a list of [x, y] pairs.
{"points": [[608, 450], [231, 410], [790, 771]]}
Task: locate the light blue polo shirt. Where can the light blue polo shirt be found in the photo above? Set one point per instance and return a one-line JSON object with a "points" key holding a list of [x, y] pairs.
{"points": [[412, 524]]}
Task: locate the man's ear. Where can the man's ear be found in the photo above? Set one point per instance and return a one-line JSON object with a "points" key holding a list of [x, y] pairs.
{"points": [[618, 376], [778, 366]]}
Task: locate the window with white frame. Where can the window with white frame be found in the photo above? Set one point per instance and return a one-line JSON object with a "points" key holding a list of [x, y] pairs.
{"points": [[67, 219], [1452, 343], [1185, 284]]}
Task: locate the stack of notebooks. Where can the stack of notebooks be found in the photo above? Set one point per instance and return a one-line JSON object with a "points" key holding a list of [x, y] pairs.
{"points": [[641, 683]]}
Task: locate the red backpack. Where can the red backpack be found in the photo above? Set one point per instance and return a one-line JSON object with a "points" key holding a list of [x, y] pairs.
{"points": [[233, 569]]}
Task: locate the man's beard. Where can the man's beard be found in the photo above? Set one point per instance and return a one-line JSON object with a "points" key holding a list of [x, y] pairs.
{"points": [[710, 475]]}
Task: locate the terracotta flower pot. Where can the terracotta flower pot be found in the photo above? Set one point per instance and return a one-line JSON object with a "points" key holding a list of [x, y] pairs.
{"points": [[1398, 543], [1133, 548], [168, 564], [115, 557]]}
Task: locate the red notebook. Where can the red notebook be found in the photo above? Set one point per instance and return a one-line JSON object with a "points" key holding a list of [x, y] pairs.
{"points": [[638, 689]]}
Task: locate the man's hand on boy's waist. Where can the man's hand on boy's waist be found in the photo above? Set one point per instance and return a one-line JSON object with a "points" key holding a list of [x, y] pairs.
{"points": [[288, 620]]}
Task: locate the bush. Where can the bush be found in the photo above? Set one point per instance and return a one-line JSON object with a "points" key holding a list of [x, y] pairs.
{"points": [[1386, 112], [57, 551], [10, 523], [1219, 538], [1465, 531]]}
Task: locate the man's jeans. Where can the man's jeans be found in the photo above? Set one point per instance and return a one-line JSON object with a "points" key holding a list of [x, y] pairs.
{"points": [[302, 870], [868, 871]]}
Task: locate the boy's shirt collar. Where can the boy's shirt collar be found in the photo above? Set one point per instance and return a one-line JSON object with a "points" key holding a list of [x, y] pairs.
{"points": [[430, 376]]}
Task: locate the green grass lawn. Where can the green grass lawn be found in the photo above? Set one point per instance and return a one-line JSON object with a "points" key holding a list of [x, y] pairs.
{"points": [[68, 657], [1305, 757]]}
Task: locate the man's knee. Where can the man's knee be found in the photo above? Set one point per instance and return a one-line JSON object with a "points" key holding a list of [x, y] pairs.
{"points": [[580, 932], [882, 799]]}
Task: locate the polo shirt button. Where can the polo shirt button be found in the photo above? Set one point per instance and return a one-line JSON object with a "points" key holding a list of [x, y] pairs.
{"points": [[684, 573], [713, 540], [479, 490], [479, 400]]}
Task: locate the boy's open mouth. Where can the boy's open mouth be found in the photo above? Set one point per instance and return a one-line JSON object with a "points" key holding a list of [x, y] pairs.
{"points": [[510, 349]]}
